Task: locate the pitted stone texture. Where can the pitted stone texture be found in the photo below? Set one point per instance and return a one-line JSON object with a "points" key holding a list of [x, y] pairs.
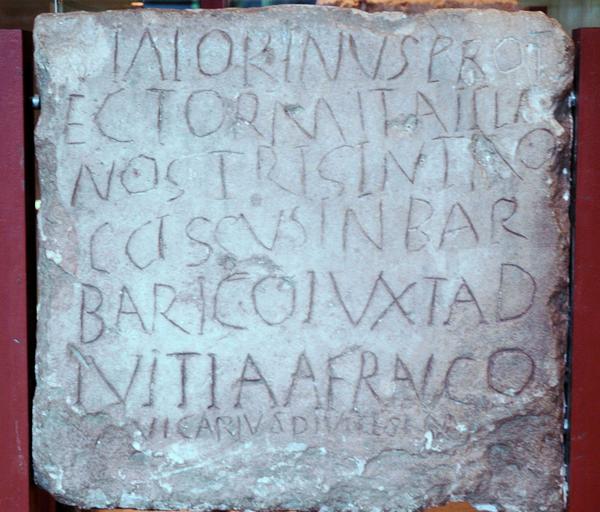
{"points": [[302, 257]]}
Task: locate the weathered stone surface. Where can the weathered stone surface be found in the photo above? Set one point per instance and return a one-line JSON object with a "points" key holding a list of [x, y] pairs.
{"points": [[413, 6], [302, 257]]}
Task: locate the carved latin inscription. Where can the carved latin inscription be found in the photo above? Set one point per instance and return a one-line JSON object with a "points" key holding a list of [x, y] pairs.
{"points": [[302, 257]]}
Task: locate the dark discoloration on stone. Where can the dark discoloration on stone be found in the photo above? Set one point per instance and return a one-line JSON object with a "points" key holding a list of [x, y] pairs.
{"points": [[414, 6]]}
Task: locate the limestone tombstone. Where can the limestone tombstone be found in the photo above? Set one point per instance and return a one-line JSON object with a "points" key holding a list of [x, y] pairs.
{"points": [[302, 257]]}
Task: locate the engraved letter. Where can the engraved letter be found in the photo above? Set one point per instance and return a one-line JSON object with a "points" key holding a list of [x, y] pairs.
{"points": [[251, 374], [87, 310], [516, 292]]}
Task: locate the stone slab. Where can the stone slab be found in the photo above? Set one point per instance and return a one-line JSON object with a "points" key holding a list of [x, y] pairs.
{"points": [[302, 257]]}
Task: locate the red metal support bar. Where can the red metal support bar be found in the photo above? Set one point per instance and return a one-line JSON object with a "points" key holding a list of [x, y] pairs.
{"points": [[584, 464], [213, 4], [14, 332]]}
